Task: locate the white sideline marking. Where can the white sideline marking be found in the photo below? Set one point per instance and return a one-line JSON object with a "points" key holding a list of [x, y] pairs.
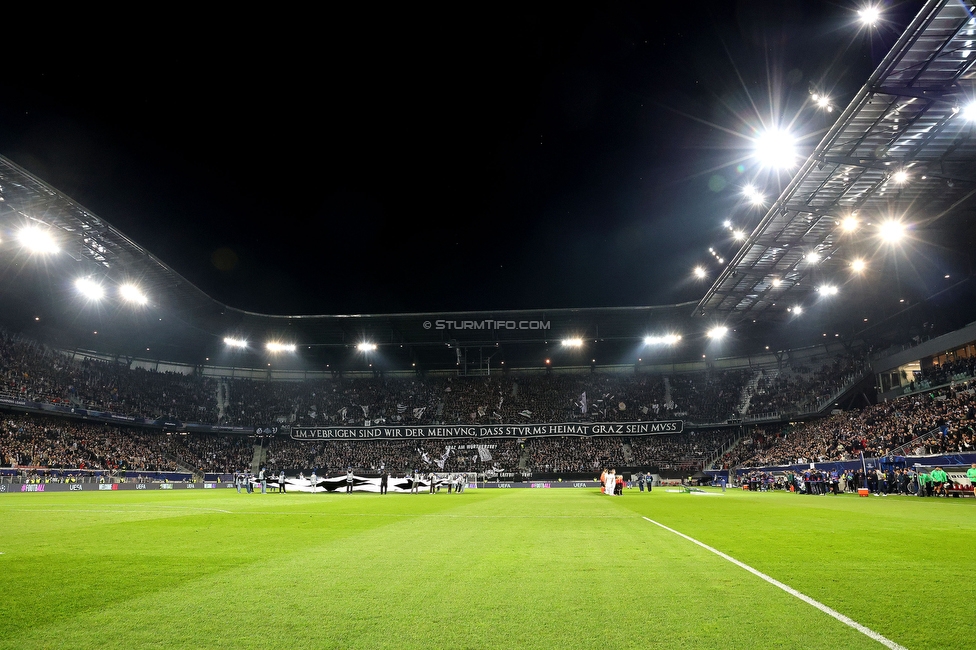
{"points": [[791, 591], [422, 515]]}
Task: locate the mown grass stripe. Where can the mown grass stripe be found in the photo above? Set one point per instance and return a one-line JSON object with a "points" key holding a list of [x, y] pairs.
{"points": [[788, 589]]}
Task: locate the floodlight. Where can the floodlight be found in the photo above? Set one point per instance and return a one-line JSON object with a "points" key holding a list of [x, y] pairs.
{"points": [[753, 195], [90, 289], [272, 346], [131, 293], [777, 282], [738, 235], [776, 148], [812, 257], [797, 310], [849, 224], [727, 223], [666, 339], [900, 177], [572, 343], [366, 347], [969, 112], [858, 265], [869, 15], [822, 101], [37, 240], [717, 332], [827, 290], [891, 231], [700, 272], [235, 343]]}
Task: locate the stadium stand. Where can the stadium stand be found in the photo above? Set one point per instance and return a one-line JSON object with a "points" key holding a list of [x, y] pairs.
{"points": [[31, 371], [931, 423]]}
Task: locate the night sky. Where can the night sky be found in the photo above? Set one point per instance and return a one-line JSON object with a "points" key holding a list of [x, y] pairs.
{"points": [[407, 160]]}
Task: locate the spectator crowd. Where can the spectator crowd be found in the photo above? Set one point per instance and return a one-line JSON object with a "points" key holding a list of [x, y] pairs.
{"points": [[937, 422], [30, 371]]}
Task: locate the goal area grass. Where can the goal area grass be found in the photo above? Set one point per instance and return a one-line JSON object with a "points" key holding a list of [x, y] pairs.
{"points": [[489, 568]]}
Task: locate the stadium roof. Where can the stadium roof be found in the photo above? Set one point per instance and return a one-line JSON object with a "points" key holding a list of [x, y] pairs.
{"points": [[181, 323], [903, 150]]}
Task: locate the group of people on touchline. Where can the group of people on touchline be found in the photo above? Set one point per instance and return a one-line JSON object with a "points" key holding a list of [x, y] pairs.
{"points": [[613, 483]]}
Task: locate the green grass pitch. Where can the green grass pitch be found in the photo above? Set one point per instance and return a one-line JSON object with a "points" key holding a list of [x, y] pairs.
{"points": [[556, 568]]}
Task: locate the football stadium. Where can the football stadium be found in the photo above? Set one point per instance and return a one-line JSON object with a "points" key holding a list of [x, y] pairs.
{"points": [[193, 459]]}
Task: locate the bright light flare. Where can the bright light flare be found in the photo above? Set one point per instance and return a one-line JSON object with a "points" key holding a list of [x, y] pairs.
{"points": [[666, 339], [37, 240], [366, 347], [235, 343], [572, 343], [717, 332], [700, 272], [869, 15], [797, 310], [891, 231], [738, 235], [812, 257], [273, 346], [776, 149], [90, 289], [131, 293], [849, 224], [858, 265], [969, 112], [900, 177], [827, 290], [753, 195]]}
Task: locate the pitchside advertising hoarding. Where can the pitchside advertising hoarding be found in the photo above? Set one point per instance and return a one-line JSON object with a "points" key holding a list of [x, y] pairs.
{"points": [[481, 431], [11, 488], [334, 484]]}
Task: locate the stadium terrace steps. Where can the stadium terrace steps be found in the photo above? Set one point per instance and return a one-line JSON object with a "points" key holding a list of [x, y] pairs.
{"points": [[724, 450], [750, 389], [180, 462], [260, 454]]}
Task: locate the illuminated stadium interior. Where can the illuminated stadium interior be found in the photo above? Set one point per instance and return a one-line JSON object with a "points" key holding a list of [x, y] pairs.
{"points": [[827, 354], [869, 240]]}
